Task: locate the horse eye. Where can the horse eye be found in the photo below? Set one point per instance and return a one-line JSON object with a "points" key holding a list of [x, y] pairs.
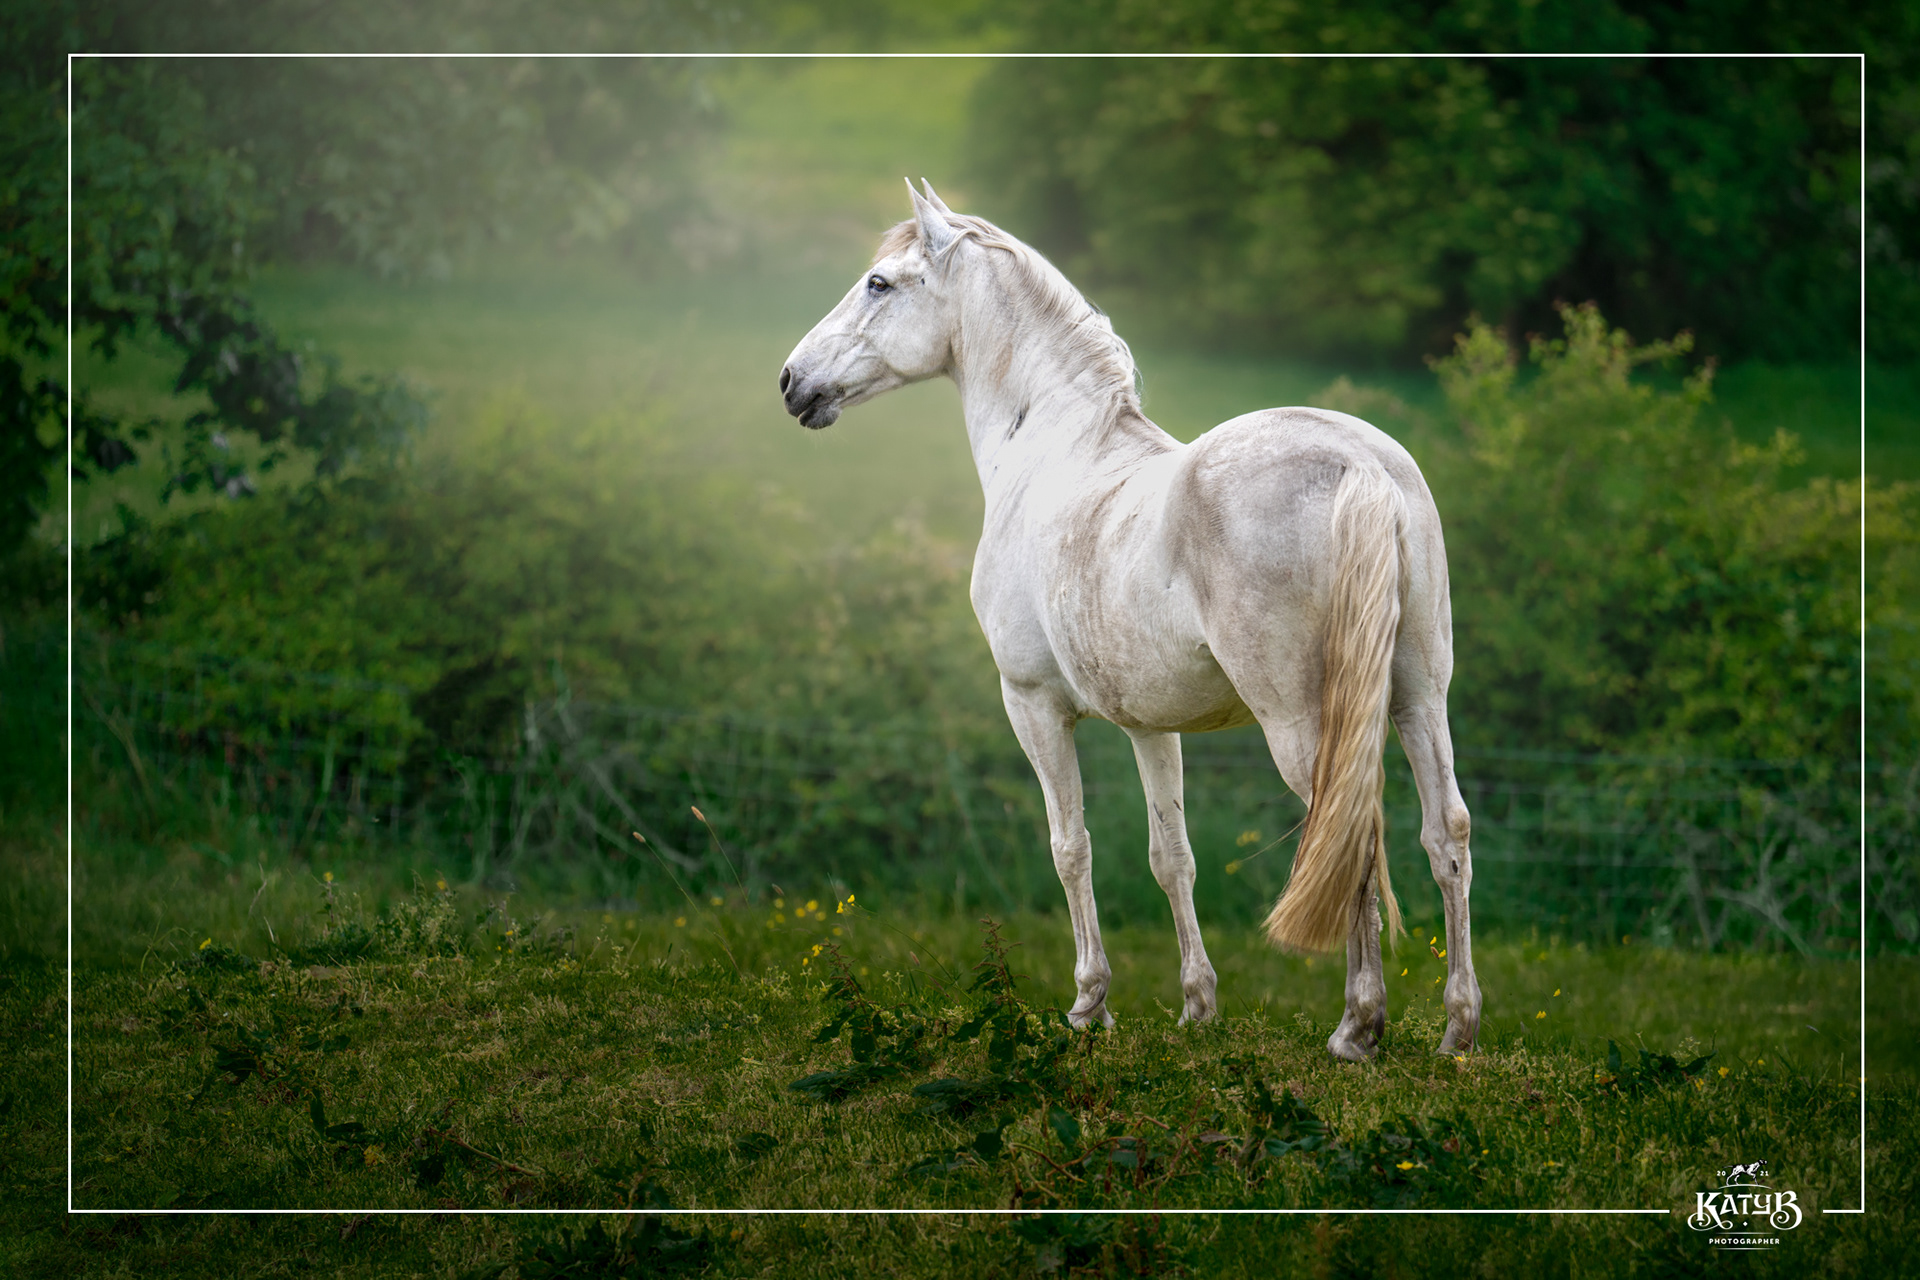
{"points": [[876, 285]]}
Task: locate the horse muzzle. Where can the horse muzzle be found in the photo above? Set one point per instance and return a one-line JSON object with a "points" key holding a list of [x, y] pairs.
{"points": [[816, 404]]}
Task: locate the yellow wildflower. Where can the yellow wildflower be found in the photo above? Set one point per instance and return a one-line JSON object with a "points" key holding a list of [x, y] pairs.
{"points": [[1539, 1015], [328, 877], [1233, 868], [1556, 991], [1404, 1165], [679, 922], [1723, 1073], [206, 944]]}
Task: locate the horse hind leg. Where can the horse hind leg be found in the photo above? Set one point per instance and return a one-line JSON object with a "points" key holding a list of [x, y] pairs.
{"points": [[1171, 857], [1445, 828], [1364, 1020]]}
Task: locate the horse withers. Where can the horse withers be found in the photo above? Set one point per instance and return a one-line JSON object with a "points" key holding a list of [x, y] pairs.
{"points": [[1285, 568]]}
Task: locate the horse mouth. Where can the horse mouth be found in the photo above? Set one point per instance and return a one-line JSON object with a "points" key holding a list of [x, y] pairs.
{"points": [[821, 409]]}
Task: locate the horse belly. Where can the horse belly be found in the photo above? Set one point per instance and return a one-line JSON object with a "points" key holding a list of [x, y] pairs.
{"points": [[1190, 697]]}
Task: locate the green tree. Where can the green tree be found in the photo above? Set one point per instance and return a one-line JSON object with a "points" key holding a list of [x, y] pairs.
{"points": [[1369, 205], [189, 173]]}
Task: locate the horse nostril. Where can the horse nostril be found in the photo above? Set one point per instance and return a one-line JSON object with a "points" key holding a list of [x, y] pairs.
{"points": [[786, 377]]}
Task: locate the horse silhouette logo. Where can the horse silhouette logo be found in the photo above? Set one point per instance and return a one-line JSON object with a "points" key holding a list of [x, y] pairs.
{"points": [[1741, 1172]]}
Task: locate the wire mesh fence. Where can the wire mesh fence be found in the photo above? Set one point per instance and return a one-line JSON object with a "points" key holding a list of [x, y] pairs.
{"points": [[1711, 853]]}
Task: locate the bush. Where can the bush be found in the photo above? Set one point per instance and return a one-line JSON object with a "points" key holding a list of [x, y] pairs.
{"points": [[1638, 578]]}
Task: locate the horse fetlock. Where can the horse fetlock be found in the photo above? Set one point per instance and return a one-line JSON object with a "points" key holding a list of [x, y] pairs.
{"points": [[1085, 1015], [1361, 1027], [1462, 1000], [1352, 1042], [1199, 990]]}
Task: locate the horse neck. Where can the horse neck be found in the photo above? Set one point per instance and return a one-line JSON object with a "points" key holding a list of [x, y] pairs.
{"points": [[1032, 405]]}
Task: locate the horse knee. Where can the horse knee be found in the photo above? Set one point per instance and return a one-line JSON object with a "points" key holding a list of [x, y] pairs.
{"points": [[1073, 857], [1459, 824], [1172, 866]]}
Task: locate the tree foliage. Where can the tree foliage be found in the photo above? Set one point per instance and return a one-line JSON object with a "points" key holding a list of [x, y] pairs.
{"points": [[1369, 205], [188, 173]]}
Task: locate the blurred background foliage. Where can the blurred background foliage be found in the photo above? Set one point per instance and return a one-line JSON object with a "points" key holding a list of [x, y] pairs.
{"points": [[1364, 206], [426, 445]]}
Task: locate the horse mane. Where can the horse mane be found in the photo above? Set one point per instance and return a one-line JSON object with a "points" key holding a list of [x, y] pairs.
{"points": [[1083, 330]]}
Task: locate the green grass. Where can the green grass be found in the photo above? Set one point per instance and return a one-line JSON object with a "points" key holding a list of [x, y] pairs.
{"points": [[593, 1059]]}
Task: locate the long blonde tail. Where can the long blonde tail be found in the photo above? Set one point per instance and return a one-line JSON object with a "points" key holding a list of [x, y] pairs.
{"points": [[1344, 843]]}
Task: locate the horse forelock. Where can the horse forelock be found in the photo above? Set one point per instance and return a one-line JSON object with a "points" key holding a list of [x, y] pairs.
{"points": [[1084, 332]]}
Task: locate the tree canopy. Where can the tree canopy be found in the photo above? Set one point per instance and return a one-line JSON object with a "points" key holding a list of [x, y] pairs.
{"points": [[1369, 205]]}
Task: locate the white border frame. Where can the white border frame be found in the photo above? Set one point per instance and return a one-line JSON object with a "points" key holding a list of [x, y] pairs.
{"points": [[1861, 252]]}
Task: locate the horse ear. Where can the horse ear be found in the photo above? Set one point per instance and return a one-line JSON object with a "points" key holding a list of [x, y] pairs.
{"points": [[936, 233], [933, 197]]}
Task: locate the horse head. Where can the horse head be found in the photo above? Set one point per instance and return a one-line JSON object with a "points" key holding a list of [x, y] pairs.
{"points": [[895, 326]]}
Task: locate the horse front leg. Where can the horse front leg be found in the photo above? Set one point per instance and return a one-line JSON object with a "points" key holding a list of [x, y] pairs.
{"points": [[1171, 857], [1044, 724]]}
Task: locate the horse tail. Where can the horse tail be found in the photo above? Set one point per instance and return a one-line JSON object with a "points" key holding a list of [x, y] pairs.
{"points": [[1344, 845]]}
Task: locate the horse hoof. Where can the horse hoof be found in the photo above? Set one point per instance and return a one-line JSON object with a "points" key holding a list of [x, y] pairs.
{"points": [[1080, 1021], [1198, 1011], [1348, 1049]]}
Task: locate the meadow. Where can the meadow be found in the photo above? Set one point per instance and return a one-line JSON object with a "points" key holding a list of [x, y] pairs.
{"points": [[465, 1052]]}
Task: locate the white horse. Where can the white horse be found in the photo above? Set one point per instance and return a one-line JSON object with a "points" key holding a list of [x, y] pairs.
{"points": [[1285, 568]]}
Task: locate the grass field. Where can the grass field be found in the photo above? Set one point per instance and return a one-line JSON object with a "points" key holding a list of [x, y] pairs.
{"points": [[353, 1045]]}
